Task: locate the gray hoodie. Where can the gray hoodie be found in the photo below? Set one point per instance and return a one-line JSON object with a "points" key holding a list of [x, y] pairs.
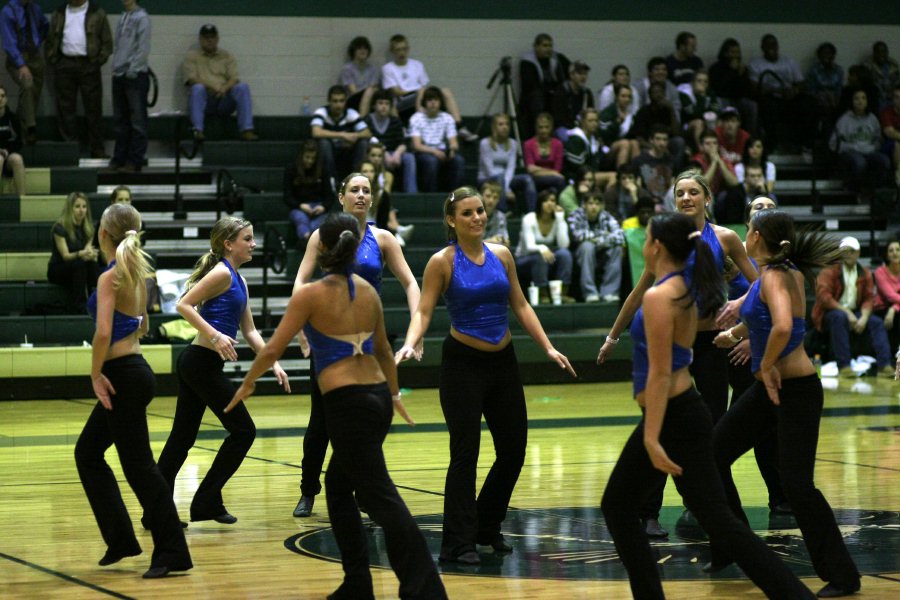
{"points": [[132, 43]]}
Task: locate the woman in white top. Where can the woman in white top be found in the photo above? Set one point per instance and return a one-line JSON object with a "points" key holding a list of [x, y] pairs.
{"points": [[755, 156], [544, 247]]}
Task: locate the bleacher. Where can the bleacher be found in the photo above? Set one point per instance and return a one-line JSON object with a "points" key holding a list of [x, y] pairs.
{"points": [[177, 235]]}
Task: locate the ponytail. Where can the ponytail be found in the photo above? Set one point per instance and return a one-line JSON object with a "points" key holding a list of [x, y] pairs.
{"points": [[807, 249], [122, 223], [339, 235], [706, 283]]}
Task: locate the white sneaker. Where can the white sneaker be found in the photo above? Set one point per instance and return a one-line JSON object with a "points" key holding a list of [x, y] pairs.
{"points": [[592, 298], [399, 239], [466, 135], [611, 298], [405, 232]]}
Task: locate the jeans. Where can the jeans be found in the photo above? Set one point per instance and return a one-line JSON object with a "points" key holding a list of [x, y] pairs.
{"points": [[546, 182], [237, 98], [304, 224], [686, 436], [339, 160], [610, 257], [864, 170], [410, 185], [540, 270], [838, 326], [430, 167], [523, 187], [130, 119]]}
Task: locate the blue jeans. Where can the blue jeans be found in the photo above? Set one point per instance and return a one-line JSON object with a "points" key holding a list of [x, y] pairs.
{"points": [[522, 185], [540, 269], [339, 160], [864, 169], [839, 331], [410, 185], [305, 224], [430, 167], [237, 98], [611, 258], [130, 118]]}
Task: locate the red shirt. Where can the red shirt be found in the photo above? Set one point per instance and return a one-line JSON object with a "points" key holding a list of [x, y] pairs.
{"points": [[733, 152], [533, 156], [715, 186], [890, 118]]}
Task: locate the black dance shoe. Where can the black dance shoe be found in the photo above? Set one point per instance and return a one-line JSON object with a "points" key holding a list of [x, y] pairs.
{"points": [[156, 572], [653, 529], [714, 567], [497, 543], [346, 592], [225, 518], [468, 557], [833, 590], [111, 558], [305, 506]]}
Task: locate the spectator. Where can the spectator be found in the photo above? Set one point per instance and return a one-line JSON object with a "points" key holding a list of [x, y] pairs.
{"points": [[645, 208], [544, 156], [342, 136], [659, 112], [845, 295], [730, 80], [407, 80], [607, 96], [130, 83], [359, 77], [684, 62], [73, 257], [885, 71], [388, 130], [890, 127], [496, 230], [11, 162], [753, 186], [433, 135], [542, 72], [655, 167], [380, 211], [585, 182], [719, 172], [383, 177], [886, 304], [599, 240], [497, 158], [77, 52], [215, 87], [623, 196], [755, 156], [824, 81], [23, 29], [657, 72], [699, 106], [584, 148], [615, 124], [572, 97], [308, 192], [857, 140], [543, 250], [732, 139]]}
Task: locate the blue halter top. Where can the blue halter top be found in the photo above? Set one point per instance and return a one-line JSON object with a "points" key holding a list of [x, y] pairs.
{"points": [[640, 363], [478, 297], [755, 313], [328, 349], [224, 311], [123, 325], [739, 285], [368, 260]]}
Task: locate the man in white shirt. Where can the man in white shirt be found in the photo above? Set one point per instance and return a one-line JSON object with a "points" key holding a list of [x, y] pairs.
{"points": [[433, 135], [342, 135]]}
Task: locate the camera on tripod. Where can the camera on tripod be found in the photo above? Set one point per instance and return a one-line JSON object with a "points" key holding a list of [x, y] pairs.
{"points": [[505, 69]]}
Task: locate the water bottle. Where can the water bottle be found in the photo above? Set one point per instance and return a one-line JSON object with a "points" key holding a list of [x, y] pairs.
{"points": [[817, 363], [534, 295], [306, 108]]}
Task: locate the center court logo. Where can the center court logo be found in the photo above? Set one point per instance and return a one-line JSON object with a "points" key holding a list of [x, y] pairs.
{"points": [[573, 543]]}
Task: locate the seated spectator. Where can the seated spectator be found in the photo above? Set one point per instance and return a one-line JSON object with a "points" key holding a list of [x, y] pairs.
{"points": [[699, 107], [752, 186], [684, 62], [121, 194], [308, 191], [388, 130], [542, 71], [890, 128], [622, 197], [585, 149], [730, 81], [858, 78], [659, 112], [599, 240], [657, 72], [786, 117], [845, 294], [755, 156], [655, 168], [405, 78], [885, 72], [584, 182], [383, 177], [719, 172], [572, 97], [607, 96], [11, 162], [496, 230], [342, 136], [543, 250], [615, 124], [857, 140], [497, 158], [359, 77], [732, 139], [73, 257], [380, 211], [644, 209], [824, 81], [433, 135], [212, 75], [887, 299], [544, 156]]}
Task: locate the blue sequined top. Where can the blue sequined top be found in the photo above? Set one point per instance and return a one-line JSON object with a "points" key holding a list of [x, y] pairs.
{"points": [[224, 311], [328, 349], [755, 314], [478, 297], [123, 325], [739, 285], [368, 260]]}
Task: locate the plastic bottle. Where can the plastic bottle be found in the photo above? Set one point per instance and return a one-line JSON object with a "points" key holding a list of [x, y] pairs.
{"points": [[817, 363], [306, 108], [533, 295]]}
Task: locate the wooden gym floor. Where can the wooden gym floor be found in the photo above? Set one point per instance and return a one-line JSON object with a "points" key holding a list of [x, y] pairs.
{"points": [[49, 542]]}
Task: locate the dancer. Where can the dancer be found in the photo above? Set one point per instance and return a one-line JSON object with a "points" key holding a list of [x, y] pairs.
{"points": [[710, 364], [675, 435], [787, 395], [216, 303], [479, 373], [342, 317], [124, 385], [377, 248]]}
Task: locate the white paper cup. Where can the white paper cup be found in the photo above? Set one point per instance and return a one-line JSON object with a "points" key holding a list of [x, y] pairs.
{"points": [[556, 291], [534, 295]]}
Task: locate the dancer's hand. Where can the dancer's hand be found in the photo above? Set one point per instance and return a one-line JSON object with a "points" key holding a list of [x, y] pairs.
{"points": [[405, 353], [420, 350], [723, 340], [560, 359], [730, 313], [103, 389], [400, 409], [243, 393], [740, 354], [224, 345], [605, 350], [772, 380], [281, 377], [660, 459]]}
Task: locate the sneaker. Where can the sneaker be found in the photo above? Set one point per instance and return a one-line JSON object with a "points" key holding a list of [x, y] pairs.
{"points": [[405, 232], [611, 298], [249, 136], [847, 372], [400, 239], [592, 298], [198, 135], [466, 135]]}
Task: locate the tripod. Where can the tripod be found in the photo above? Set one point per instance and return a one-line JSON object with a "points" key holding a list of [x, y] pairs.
{"points": [[504, 73]]}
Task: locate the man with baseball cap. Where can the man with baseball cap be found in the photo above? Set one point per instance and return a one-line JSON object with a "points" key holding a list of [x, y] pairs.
{"points": [[572, 98], [215, 88], [844, 296]]}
